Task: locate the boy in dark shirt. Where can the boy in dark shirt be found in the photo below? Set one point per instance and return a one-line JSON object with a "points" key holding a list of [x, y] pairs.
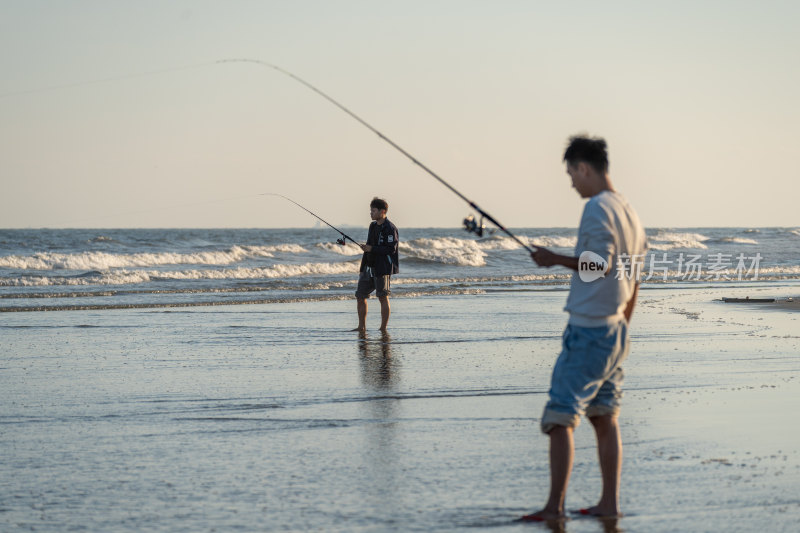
{"points": [[379, 262]]}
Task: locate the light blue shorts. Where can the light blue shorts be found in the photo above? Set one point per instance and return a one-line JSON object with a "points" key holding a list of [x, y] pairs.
{"points": [[587, 378]]}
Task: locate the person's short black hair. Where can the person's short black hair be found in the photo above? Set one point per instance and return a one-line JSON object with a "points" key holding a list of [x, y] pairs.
{"points": [[379, 203], [589, 150]]}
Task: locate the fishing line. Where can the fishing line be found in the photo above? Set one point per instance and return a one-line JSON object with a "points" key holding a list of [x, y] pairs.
{"points": [[338, 241], [477, 228]]}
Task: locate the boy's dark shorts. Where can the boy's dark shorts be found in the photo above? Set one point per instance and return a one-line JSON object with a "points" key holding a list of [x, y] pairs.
{"points": [[367, 284]]}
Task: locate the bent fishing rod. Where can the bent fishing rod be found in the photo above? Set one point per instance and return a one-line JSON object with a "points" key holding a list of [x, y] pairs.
{"points": [[338, 241], [468, 223]]}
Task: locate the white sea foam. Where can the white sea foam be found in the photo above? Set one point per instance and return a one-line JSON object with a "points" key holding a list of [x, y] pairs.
{"points": [[445, 250], [347, 249], [278, 248], [560, 277], [553, 241], [126, 277], [667, 241], [499, 243], [737, 240], [779, 270], [545, 241], [732, 273], [105, 260]]}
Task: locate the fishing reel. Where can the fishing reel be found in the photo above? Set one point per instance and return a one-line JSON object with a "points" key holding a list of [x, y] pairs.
{"points": [[473, 226], [341, 241]]}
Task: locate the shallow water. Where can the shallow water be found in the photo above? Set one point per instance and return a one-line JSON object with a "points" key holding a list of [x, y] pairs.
{"points": [[275, 417]]}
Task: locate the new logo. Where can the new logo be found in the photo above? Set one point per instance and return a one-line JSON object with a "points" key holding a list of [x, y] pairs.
{"points": [[591, 266]]}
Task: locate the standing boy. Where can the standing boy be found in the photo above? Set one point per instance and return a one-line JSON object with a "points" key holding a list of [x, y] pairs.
{"points": [[379, 262], [587, 376]]}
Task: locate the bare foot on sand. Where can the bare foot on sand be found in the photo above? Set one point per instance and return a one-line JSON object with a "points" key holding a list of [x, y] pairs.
{"points": [[598, 512]]}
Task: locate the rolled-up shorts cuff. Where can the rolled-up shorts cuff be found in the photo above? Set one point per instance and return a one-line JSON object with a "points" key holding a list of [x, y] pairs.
{"points": [[551, 419], [602, 410]]}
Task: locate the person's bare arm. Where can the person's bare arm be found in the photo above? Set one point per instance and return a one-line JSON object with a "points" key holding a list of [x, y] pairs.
{"points": [[631, 304], [546, 258]]}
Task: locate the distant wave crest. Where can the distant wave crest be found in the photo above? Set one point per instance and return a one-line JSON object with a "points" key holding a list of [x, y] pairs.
{"points": [[734, 240], [105, 260], [664, 241], [545, 241], [667, 241], [553, 242], [128, 277]]}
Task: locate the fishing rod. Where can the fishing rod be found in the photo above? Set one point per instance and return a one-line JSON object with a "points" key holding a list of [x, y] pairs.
{"points": [[338, 241], [469, 224]]}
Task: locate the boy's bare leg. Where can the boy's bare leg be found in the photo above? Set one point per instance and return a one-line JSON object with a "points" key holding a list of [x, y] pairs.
{"points": [[609, 452], [361, 306], [562, 450], [385, 311]]}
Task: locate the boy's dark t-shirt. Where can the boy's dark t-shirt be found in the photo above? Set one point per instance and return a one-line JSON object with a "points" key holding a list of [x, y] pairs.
{"points": [[383, 259], [372, 238]]}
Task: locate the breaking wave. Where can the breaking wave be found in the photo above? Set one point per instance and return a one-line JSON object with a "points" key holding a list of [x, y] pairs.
{"points": [[668, 241], [733, 240], [347, 249], [105, 260], [444, 250], [470, 252], [664, 241], [127, 277], [553, 242]]}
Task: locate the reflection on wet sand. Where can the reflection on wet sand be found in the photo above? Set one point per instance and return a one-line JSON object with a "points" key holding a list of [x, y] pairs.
{"points": [[377, 365], [379, 375], [609, 525]]}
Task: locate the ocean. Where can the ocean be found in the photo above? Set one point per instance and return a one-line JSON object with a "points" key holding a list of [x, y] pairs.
{"points": [[208, 380], [71, 269]]}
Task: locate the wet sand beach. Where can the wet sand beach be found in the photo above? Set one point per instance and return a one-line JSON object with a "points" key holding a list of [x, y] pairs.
{"points": [[790, 303], [276, 418]]}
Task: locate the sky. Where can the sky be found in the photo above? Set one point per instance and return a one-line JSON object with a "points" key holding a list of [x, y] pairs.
{"points": [[119, 114]]}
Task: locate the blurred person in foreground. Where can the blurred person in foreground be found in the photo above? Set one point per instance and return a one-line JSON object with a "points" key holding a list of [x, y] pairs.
{"points": [[587, 376]]}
